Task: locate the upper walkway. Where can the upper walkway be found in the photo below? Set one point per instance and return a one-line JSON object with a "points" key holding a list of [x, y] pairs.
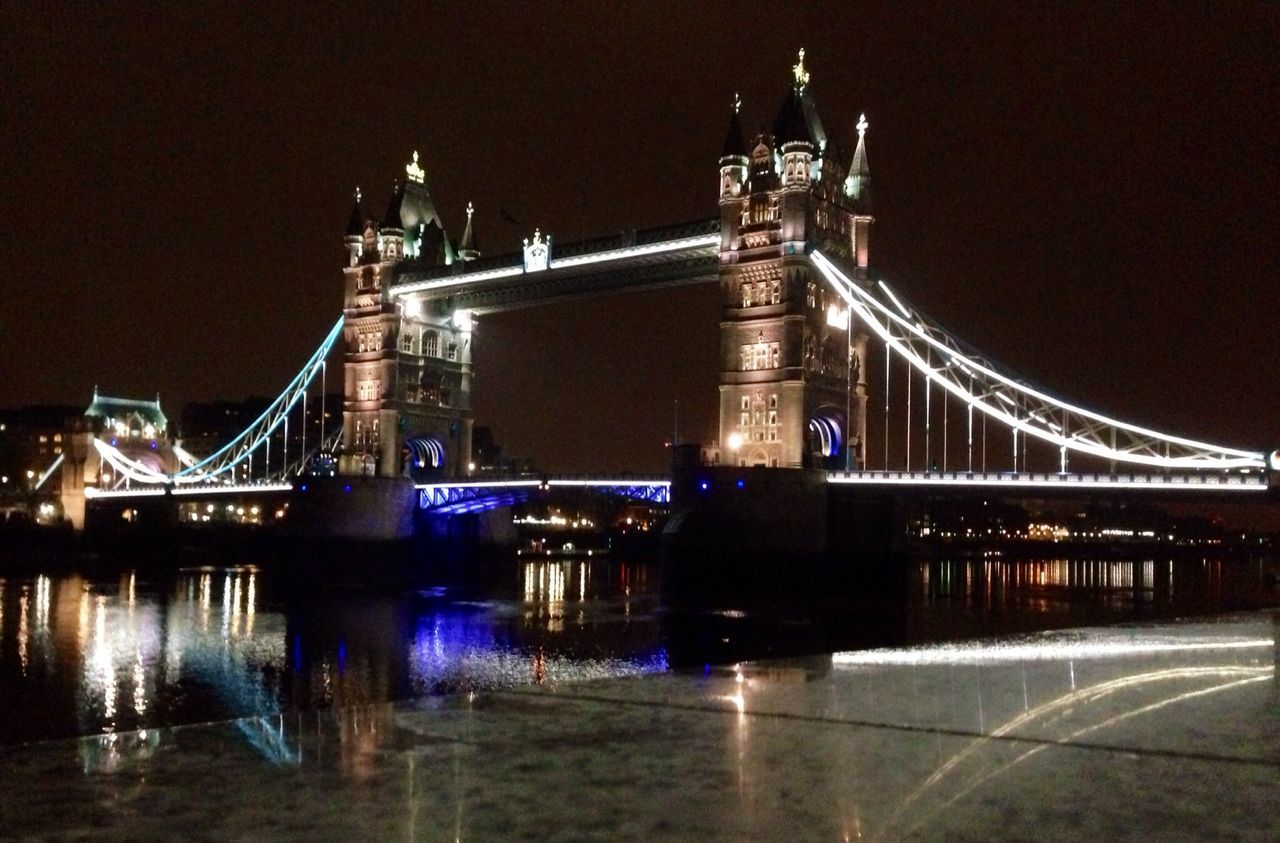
{"points": [[636, 260]]}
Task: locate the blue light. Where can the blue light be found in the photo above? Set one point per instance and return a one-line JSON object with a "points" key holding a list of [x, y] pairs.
{"points": [[742, 484], [153, 446], [704, 485], [113, 441], [304, 487], [346, 488]]}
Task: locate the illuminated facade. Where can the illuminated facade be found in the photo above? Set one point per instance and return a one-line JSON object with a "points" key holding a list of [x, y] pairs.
{"points": [[136, 430], [407, 367], [793, 386]]}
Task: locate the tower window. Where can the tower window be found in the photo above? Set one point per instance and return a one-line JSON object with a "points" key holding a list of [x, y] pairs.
{"points": [[746, 295], [431, 344], [760, 355]]}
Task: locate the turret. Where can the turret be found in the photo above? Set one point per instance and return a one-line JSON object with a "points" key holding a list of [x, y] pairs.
{"points": [[733, 159], [355, 230], [467, 250], [392, 232], [792, 132], [858, 188]]}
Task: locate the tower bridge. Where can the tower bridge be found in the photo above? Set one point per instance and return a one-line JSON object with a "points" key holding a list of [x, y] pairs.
{"points": [[817, 351]]}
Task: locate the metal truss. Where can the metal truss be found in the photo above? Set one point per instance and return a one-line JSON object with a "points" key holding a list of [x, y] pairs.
{"points": [[1001, 395], [478, 496]]}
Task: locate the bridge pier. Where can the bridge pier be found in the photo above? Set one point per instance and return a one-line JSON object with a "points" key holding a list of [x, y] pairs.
{"points": [[354, 508]]}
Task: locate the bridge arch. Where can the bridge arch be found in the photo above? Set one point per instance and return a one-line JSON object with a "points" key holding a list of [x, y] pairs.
{"points": [[423, 454], [825, 438]]}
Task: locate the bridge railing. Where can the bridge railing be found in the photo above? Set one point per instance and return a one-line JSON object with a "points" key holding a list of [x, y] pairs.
{"points": [[1250, 482]]}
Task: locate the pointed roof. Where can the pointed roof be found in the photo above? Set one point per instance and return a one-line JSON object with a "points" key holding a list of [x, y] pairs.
{"points": [[467, 248], [797, 120], [392, 217], [735, 145], [791, 125], [355, 225], [110, 409], [858, 185]]}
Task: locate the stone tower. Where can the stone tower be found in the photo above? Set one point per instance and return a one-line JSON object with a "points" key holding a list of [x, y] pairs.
{"points": [[407, 367], [792, 384]]}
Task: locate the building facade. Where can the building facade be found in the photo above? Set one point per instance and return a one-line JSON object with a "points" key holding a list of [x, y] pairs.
{"points": [[407, 365], [793, 389]]}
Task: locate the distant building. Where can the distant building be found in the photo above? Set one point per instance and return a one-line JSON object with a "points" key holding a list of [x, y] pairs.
{"points": [[109, 444], [31, 440]]}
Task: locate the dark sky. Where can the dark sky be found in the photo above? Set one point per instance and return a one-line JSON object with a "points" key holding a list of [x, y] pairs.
{"points": [[1086, 192]]}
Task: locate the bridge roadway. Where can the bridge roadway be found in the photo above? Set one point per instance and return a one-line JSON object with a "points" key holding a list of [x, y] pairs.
{"points": [[1246, 487], [469, 495], [639, 260]]}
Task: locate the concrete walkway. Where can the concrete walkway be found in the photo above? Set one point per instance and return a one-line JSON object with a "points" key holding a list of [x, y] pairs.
{"points": [[1167, 732]]}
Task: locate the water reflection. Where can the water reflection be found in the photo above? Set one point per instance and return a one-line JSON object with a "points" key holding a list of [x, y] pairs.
{"points": [[90, 656]]}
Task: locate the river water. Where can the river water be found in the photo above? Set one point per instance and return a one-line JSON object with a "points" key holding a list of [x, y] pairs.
{"points": [[127, 649]]}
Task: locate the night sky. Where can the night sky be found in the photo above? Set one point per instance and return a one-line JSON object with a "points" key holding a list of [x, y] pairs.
{"points": [[1088, 194]]}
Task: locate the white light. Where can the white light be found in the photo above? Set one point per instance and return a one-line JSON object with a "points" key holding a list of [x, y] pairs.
{"points": [[1275, 460], [1219, 457], [837, 317], [1049, 650], [462, 320], [703, 241], [735, 441], [1153, 482], [412, 308]]}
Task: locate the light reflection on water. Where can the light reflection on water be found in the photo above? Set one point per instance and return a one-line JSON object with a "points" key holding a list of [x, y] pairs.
{"points": [[81, 656]]}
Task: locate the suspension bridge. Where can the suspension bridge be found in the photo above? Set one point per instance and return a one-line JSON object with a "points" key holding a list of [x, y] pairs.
{"points": [[825, 367]]}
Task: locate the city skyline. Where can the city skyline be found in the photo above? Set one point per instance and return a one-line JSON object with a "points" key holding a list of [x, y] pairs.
{"points": [[1097, 220]]}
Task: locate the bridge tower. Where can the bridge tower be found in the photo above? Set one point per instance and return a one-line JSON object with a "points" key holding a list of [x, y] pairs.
{"points": [[407, 368], [792, 385]]}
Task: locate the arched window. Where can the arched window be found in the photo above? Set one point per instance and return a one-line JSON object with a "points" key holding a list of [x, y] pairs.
{"points": [[431, 344]]}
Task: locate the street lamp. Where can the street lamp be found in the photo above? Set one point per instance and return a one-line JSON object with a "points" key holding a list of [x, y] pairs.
{"points": [[735, 441]]}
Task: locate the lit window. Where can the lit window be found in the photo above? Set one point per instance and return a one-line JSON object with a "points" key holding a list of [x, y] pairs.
{"points": [[431, 344], [368, 390], [746, 295], [775, 291]]}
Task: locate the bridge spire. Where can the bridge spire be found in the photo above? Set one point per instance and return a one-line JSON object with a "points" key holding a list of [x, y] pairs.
{"points": [[735, 145], [355, 225], [467, 250], [355, 231], [858, 185]]}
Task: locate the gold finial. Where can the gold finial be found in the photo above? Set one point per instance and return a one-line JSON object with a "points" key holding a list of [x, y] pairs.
{"points": [[737, 103], [862, 125], [802, 75], [415, 172]]}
